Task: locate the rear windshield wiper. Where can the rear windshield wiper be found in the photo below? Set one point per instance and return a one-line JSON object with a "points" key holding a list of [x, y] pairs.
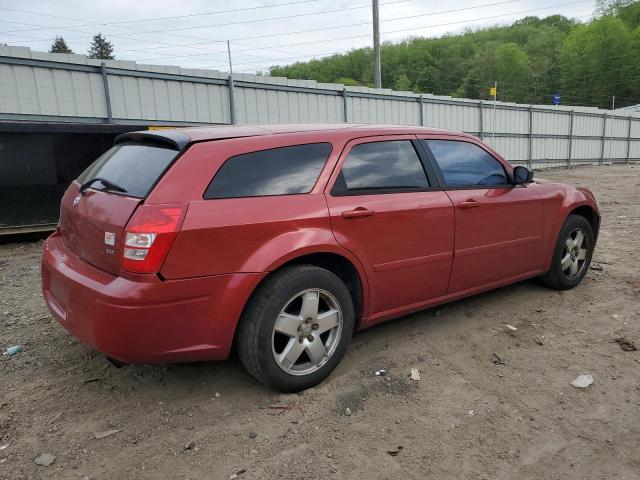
{"points": [[105, 182]]}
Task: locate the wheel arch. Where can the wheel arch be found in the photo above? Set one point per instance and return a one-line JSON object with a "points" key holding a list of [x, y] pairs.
{"points": [[342, 264], [590, 214]]}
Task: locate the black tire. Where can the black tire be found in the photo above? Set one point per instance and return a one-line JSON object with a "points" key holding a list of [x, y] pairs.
{"points": [[256, 328], [556, 277]]}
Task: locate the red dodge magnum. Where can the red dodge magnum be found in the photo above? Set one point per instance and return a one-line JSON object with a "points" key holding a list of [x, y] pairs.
{"points": [[280, 241]]}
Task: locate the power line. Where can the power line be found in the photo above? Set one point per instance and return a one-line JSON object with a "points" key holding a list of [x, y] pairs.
{"points": [[404, 30], [455, 10], [331, 39], [224, 24], [152, 19]]}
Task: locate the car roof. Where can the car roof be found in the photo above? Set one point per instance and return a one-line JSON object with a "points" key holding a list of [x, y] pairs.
{"points": [[180, 138], [199, 134]]}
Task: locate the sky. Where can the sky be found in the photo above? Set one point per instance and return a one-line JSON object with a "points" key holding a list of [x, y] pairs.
{"points": [[262, 33]]}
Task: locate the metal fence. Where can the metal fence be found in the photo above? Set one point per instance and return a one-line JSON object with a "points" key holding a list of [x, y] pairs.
{"points": [[44, 87]]}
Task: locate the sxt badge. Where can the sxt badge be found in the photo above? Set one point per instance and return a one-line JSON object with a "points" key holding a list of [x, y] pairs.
{"points": [[109, 238]]}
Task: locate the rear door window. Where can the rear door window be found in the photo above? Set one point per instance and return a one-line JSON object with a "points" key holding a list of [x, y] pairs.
{"points": [[134, 167], [278, 171], [379, 167], [464, 164]]}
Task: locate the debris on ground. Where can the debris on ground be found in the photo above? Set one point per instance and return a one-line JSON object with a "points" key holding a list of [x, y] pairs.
{"points": [[3, 447], [596, 266], [237, 474], [13, 350], [395, 451], [45, 459], [582, 381], [347, 412], [381, 373], [279, 409], [539, 309], [91, 380], [252, 435], [497, 360], [539, 340], [511, 327], [104, 434], [471, 413], [626, 345], [190, 445], [415, 375]]}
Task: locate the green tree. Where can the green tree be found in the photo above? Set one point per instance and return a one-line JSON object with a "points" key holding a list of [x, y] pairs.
{"points": [[612, 7], [100, 48], [402, 83], [59, 46], [512, 72], [349, 82], [630, 15], [596, 63]]}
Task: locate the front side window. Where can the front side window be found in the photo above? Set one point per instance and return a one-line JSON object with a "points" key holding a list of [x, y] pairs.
{"points": [[381, 166], [464, 164], [278, 171]]}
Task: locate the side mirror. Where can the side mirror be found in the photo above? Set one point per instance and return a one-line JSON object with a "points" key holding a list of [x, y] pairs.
{"points": [[522, 175]]}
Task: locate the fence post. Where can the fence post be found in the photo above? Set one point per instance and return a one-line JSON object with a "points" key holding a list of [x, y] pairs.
{"points": [[107, 97], [480, 109], [232, 101], [570, 139], [530, 155], [344, 105], [628, 140], [421, 99], [604, 138]]}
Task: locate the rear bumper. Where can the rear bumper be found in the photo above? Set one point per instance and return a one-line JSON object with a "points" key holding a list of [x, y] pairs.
{"points": [[143, 319]]}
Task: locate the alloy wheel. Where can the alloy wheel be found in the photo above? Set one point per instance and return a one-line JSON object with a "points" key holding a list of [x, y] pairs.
{"points": [[307, 332], [574, 253]]}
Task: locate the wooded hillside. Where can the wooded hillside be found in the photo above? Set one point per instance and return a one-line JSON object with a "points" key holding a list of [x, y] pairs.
{"points": [[587, 63]]}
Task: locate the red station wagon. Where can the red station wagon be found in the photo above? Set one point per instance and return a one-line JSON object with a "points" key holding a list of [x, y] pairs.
{"points": [[280, 241]]}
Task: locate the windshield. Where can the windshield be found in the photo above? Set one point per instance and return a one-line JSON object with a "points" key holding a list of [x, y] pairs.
{"points": [[134, 167]]}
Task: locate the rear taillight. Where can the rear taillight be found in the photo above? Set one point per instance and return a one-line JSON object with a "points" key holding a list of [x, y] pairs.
{"points": [[149, 236]]}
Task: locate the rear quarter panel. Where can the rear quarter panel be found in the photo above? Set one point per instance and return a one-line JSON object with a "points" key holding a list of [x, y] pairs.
{"points": [[253, 234]]}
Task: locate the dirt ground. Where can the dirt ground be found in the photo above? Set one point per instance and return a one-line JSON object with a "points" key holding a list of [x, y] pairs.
{"points": [[467, 417]]}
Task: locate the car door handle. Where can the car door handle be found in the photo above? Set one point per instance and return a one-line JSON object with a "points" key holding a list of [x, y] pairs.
{"points": [[469, 204], [358, 212]]}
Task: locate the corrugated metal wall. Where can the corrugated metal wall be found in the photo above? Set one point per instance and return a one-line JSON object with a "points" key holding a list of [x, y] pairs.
{"points": [[38, 86]]}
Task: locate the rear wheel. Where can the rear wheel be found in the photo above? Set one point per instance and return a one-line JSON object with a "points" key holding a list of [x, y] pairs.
{"points": [[572, 254], [296, 328]]}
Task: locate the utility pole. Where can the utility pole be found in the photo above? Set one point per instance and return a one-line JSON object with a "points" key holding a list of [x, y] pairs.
{"points": [[495, 98], [232, 103], [535, 86], [377, 74]]}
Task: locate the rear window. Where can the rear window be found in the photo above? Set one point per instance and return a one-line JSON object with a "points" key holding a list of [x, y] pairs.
{"points": [[278, 171], [132, 166]]}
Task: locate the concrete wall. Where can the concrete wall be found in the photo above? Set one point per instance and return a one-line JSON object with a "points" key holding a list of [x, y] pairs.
{"points": [[37, 86]]}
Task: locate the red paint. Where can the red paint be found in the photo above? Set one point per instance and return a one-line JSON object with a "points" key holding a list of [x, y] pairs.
{"points": [[410, 250]]}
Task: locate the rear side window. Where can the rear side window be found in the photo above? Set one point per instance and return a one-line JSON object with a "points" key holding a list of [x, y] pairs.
{"points": [[464, 164], [132, 166], [278, 171], [381, 166]]}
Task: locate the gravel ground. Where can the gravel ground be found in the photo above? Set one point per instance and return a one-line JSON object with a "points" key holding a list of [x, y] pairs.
{"points": [[467, 417]]}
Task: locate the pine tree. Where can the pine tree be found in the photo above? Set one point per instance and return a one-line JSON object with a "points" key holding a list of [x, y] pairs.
{"points": [[60, 46], [100, 48]]}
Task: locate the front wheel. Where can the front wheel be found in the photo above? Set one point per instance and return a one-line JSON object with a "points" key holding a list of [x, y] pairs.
{"points": [[296, 328], [572, 254]]}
